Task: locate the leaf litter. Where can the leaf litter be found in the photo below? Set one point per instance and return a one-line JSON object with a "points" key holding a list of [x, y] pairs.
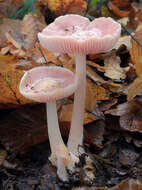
{"points": [[112, 124]]}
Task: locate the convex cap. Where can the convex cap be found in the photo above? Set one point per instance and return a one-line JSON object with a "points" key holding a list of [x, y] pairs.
{"points": [[76, 34]]}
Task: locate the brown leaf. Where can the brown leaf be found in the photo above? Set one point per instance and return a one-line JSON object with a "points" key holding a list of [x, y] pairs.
{"points": [[131, 122], [9, 82], [67, 7], [93, 64], [94, 92], [121, 109], [115, 8], [128, 184], [65, 114], [136, 52], [135, 88], [122, 4]]}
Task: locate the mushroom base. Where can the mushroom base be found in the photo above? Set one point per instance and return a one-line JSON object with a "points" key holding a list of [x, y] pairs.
{"points": [[64, 161]]}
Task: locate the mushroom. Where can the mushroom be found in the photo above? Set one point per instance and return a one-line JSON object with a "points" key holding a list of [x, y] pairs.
{"points": [[48, 84], [76, 34]]}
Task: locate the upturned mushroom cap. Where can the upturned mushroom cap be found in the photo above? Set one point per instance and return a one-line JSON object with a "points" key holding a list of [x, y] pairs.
{"points": [[76, 34], [44, 83]]}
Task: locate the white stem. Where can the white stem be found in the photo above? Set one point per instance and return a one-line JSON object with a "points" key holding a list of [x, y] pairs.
{"points": [[76, 130], [53, 127]]}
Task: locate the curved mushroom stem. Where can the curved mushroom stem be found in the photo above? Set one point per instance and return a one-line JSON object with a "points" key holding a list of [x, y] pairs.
{"points": [[60, 156], [54, 134], [76, 130]]}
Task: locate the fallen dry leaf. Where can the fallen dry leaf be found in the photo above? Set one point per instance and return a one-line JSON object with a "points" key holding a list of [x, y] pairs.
{"points": [[131, 122], [136, 52], [116, 10], [30, 27], [135, 88], [12, 26], [9, 82], [65, 114], [94, 92], [128, 184], [67, 7], [91, 73], [113, 69], [120, 109], [95, 131], [122, 4], [95, 65]]}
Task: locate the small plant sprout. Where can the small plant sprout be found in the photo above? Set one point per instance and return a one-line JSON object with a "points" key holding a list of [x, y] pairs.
{"points": [[77, 35], [46, 85]]}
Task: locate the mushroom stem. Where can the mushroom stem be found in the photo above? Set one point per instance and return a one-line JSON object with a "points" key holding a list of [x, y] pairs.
{"points": [[76, 130], [54, 134]]}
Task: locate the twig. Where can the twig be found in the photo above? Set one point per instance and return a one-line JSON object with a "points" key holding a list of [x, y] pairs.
{"points": [[42, 54]]}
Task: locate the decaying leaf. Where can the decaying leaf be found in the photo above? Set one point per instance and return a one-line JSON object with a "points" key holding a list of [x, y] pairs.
{"points": [[95, 131], [11, 26], [107, 104], [114, 7], [95, 65], [120, 109], [113, 69], [136, 52], [30, 27], [131, 122], [94, 76], [9, 82], [135, 88], [65, 114], [128, 184], [94, 92], [67, 6], [128, 156]]}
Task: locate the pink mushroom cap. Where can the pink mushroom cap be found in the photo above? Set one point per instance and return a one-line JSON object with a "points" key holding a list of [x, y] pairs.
{"points": [[44, 83], [76, 34]]}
